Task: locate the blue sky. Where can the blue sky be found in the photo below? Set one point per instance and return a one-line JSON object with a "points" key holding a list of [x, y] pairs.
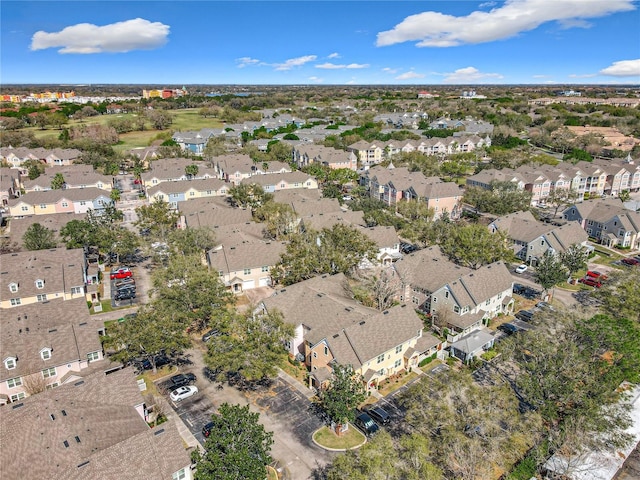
{"points": [[400, 42]]}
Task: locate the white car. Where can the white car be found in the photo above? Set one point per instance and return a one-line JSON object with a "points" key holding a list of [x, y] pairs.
{"points": [[183, 392], [521, 268]]}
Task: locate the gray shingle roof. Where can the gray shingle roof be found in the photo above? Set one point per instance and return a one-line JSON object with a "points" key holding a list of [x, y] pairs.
{"points": [[52, 196], [239, 256], [472, 342], [428, 269], [54, 222]]}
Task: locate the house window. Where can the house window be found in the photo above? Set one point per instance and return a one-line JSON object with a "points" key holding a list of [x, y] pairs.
{"points": [[247, 271], [10, 363], [456, 309], [397, 363], [326, 350], [49, 372], [42, 297], [39, 283], [179, 475], [82, 204], [14, 382], [446, 294], [315, 354], [93, 356], [15, 301], [77, 290], [398, 349], [265, 269], [208, 192], [415, 300], [65, 204], [17, 397], [24, 208], [45, 353], [381, 372], [43, 206], [380, 358], [52, 385], [435, 299], [220, 273]]}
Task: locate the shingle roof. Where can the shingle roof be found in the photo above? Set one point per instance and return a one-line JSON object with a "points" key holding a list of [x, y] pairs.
{"points": [[318, 221], [428, 269], [53, 196], [199, 185], [472, 342], [479, 285], [105, 436], [383, 236], [59, 268], [245, 255]]}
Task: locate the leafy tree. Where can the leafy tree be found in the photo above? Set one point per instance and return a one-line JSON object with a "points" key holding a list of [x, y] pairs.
{"points": [[159, 219], [146, 335], [550, 271], [192, 241], [502, 198], [188, 292], [125, 243], [34, 169], [577, 155], [238, 447], [115, 195], [249, 195], [191, 170], [620, 294], [559, 198], [474, 245], [57, 182], [624, 195], [279, 218], [78, 233], [38, 237], [251, 345], [574, 258], [346, 391]]}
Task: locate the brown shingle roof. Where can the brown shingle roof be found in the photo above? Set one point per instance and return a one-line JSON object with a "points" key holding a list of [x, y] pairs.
{"points": [[428, 269]]}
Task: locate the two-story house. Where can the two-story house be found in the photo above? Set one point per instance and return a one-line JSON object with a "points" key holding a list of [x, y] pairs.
{"points": [[42, 275], [176, 192], [75, 176], [283, 181], [211, 212], [76, 200], [175, 170], [233, 168], [369, 153], [93, 428], [45, 345]]}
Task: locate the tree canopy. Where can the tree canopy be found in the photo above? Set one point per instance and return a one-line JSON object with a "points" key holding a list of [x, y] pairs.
{"points": [[345, 393], [38, 237]]}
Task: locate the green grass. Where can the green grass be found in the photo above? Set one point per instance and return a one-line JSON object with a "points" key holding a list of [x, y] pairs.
{"points": [[349, 439], [186, 119]]}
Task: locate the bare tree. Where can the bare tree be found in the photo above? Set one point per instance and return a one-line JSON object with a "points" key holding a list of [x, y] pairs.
{"points": [[34, 383]]}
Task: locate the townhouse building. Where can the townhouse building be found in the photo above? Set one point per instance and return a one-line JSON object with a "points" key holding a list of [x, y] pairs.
{"points": [[282, 181], [74, 200], [245, 266], [45, 345], [331, 327], [42, 275], [175, 170], [75, 176], [211, 212], [368, 153], [386, 240], [194, 141], [233, 168], [9, 184], [532, 239], [461, 299], [17, 157], [181, 191], [18, 226], [93, 428], [607, 221], [304, 154]]}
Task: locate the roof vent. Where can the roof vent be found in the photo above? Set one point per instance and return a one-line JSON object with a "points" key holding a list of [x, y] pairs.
{"points": [[386, 312], [159, 432], [336, 335], [53, 417], [77, 439], [66, 444], [362, 322], [64, 413], [18, 405], [77, 384], [83, 464]]}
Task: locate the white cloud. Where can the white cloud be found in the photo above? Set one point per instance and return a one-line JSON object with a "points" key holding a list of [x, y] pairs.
{"points": [[487, 4], [623, 68], [334, 55], [315, 79], [120, 37], [470, 75], [540, 76], [246, 61], [334, 66], [584, 75], [434, 29], [294, 62], [390, 70], [409, 76]]}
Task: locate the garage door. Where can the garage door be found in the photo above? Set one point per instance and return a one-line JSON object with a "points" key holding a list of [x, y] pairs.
{"points": [[264, 282], [248, 284]]}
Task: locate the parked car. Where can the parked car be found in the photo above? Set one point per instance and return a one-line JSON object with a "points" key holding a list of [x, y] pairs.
{"points": [[122, 272], [181, 393], [181, 380], [596, 274], [126, 288], [521, 268], [124, 281], [545, 306], [380, 415], [124, 295], [211, 375], [525, 315], [509, 328], [366, 424], [210, 334], [206, 430], [161, 360], [631, 261], [592, 282]]}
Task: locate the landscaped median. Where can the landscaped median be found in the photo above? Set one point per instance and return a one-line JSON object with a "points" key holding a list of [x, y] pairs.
{"points": [[326, 438]]}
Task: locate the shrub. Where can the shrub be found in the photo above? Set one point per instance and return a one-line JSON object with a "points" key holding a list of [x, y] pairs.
{"points": [[427, 360]]}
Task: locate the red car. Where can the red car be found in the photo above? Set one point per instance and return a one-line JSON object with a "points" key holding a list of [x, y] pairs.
{"points": [[596, 274], [121, 273], [592, 282], [630, 261]]}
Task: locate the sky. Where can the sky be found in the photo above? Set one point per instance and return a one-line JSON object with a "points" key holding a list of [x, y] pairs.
{"points": [[327, 42]]}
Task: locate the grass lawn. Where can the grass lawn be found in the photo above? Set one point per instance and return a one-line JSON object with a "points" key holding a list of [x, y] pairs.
{"points": [[349, 439], [271, 473], [185, 119], [149, 377], [298, 372]]}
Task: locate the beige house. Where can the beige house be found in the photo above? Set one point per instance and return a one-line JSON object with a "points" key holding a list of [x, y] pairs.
{"points": [[45, 345], [331, 327], [41, 276], [75, 176], [233, 168], [95, 428], [175, 170], [283, 181], [369, 153], [212, 212]]}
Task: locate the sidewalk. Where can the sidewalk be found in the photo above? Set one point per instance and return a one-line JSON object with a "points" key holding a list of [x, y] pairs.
{"points": [[295, 383]]}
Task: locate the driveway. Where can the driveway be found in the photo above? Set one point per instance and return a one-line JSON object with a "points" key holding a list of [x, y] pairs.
{"points": [[284, 409]]}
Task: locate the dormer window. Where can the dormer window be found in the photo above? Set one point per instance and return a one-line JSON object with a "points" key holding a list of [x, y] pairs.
{"points": [[45, 353], [40, 284], [13, 287], [10, 363]]}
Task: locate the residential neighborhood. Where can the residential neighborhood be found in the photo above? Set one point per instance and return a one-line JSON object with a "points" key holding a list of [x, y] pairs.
{"points": [[293, 254]]}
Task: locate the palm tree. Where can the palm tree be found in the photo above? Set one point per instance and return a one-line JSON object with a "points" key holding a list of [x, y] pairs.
{"points": [[115, 195]]}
